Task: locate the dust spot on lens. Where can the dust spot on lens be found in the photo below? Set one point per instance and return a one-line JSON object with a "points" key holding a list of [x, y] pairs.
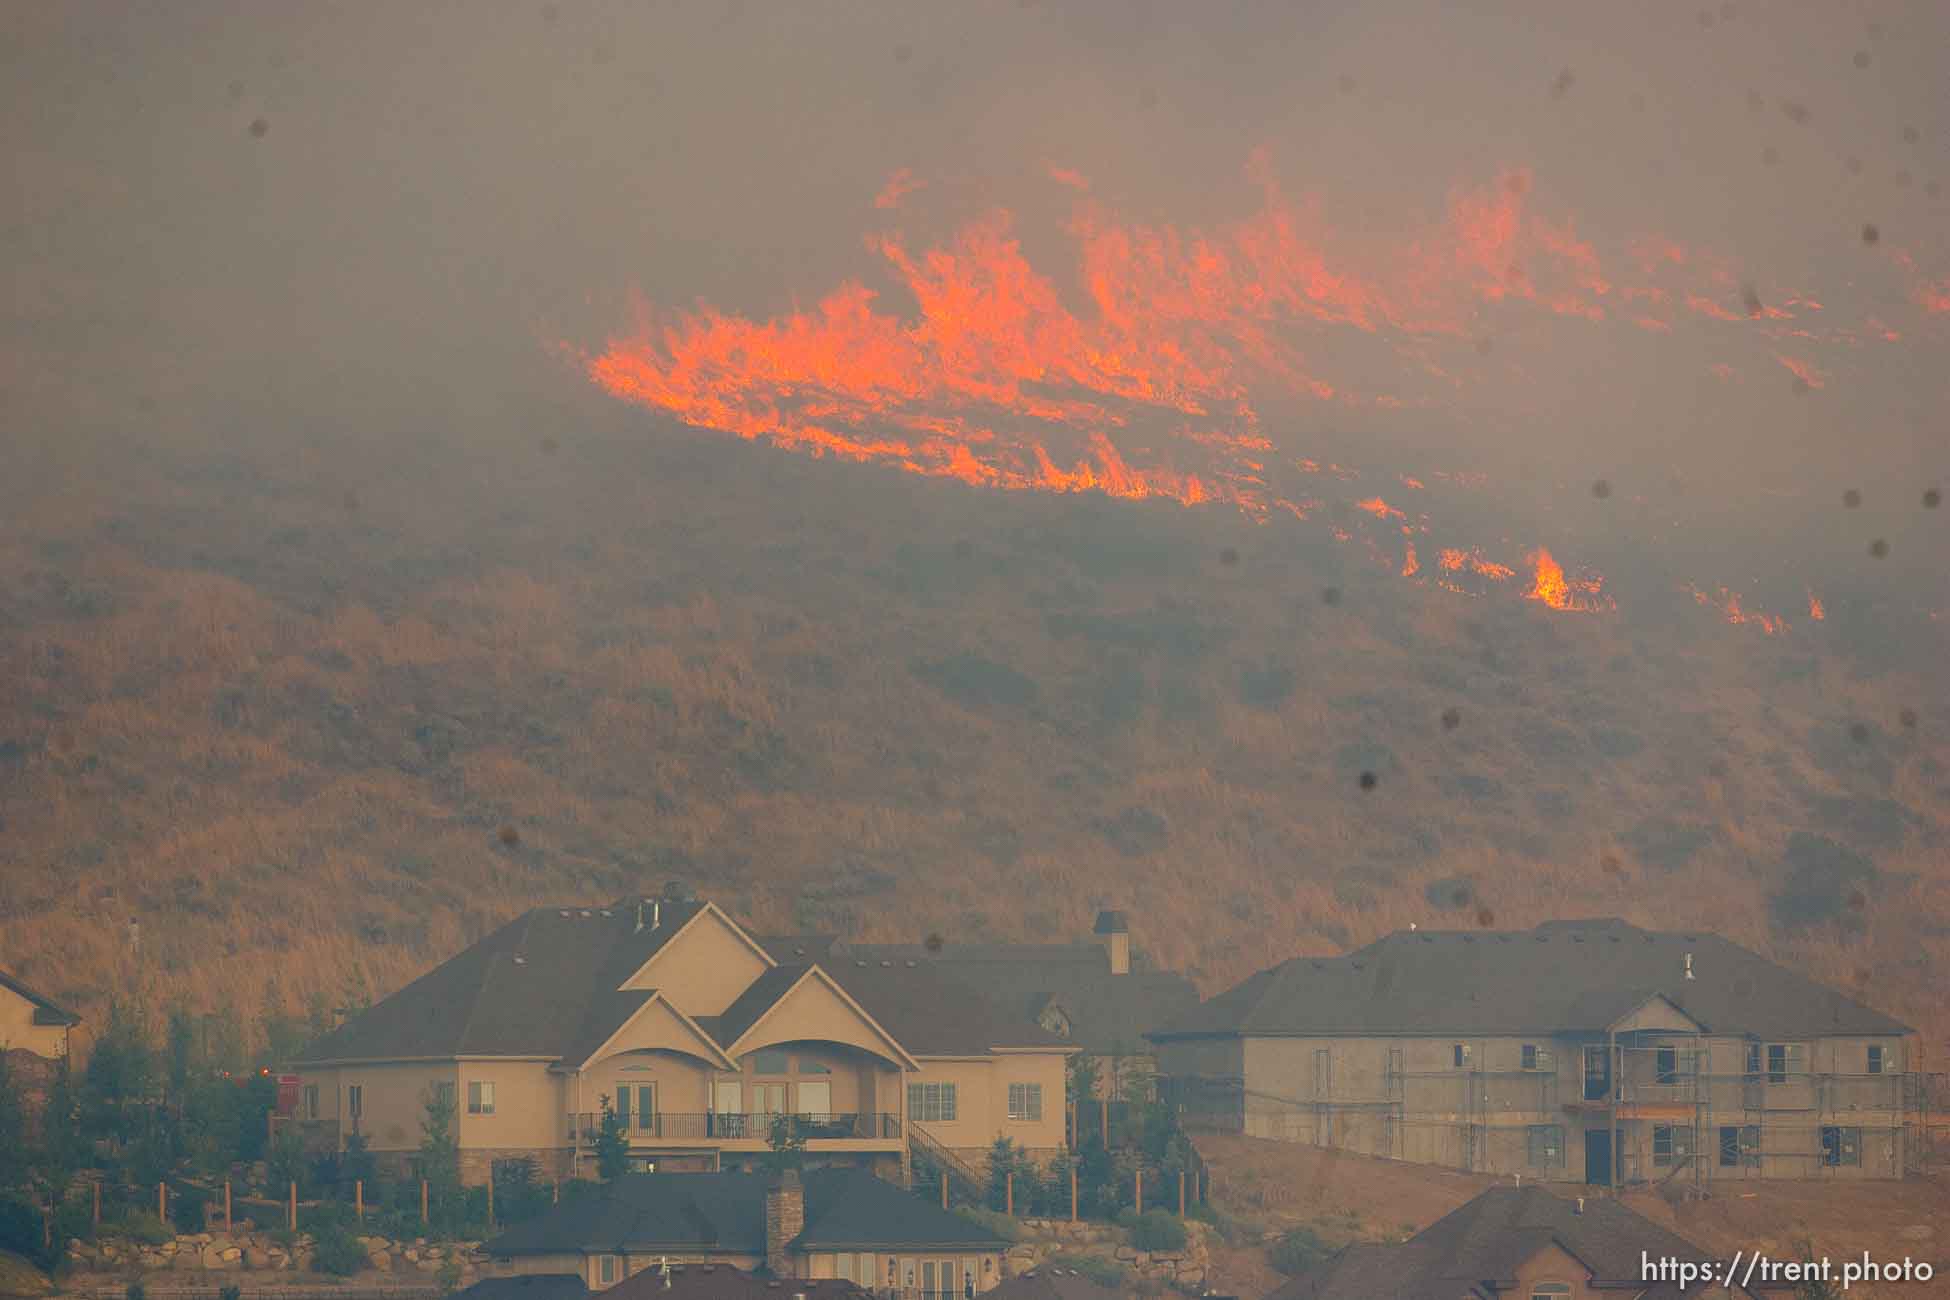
{"points": [[1911, 135], [1908, 718], [1861, 58], [1451, 719], [1879, 548], [1346, 84], [1367, 780], [1562, 85], [549, 446], [1855, 166], [1795, 111], [1870, 235], [1485, 918], [259, 127], [903, 52], [1331, 596], [1229, 556], [1859, 732], [236, 91], [1932, 498], [1601, 489], [509, 836], [1852, 498]]}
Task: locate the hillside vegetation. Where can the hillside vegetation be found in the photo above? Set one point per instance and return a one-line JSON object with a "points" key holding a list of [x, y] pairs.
{"points": [[318, 718]]}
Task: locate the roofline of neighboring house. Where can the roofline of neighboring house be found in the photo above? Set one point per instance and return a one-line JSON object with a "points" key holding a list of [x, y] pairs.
{"points": [[41, 1001], [1466, 1031], [421, 1060], [1063, 1048], [881, 1244]]}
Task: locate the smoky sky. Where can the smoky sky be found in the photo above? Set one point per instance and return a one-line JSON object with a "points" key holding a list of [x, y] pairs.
{"points": [[383, 222]]}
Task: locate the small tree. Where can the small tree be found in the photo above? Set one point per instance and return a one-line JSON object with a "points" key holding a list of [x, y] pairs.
{"points": [[1007, 1160], [612, 1144], [286, 1163], [787, 1142], [1081, 1078], [439, 1158], [15, 1162]]}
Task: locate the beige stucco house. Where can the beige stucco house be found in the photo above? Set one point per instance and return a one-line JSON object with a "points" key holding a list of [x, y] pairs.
{"points": [[699, 1033], [1581, 1051], [33, 1022]]}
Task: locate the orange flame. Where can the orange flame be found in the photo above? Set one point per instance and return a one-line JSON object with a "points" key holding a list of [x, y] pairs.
{"points": [[1556, 591], [1816, 610], [1410, 565]]}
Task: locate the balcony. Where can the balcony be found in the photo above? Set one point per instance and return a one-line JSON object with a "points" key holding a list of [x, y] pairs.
{"points": [[752, 1132]]}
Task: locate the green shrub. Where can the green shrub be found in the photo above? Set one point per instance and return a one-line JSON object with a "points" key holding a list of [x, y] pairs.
{"points": [[449, 1275], [995, 1221], [1102, 1271], [1154, 1230], [334, 1251], [147, 1229], [230, 1292], [1298, 1251], [134, 1291], [186, 1207]]}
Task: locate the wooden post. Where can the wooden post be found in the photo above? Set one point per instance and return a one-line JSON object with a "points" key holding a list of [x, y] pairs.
{"points": [[162, 1201], [1073, 1193], [98, 1205], [490, 1190], [1103, 1108], [226, 1203], [555, 1191], [423, 1200], [1137, 1180], [293, 1225], [944, 1189], [1009, 1192], [1181, 1193], [359, 1199]]}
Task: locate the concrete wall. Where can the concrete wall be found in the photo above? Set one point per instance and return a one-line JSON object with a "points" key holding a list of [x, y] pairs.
{"points": [[19, 1032]]}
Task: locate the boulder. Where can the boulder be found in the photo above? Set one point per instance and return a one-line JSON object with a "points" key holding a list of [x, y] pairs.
{"points": [[210, 1258], [380, 1261], [428, 1266], [256, 1257]]}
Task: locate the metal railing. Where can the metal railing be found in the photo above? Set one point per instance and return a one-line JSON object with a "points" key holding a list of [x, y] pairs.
{"points": [[732, 1126]]}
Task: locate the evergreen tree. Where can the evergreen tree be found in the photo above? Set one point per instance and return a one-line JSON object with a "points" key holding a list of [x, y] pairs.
{"points": [[612, 1144], [439, 1158], [16, 1165]]}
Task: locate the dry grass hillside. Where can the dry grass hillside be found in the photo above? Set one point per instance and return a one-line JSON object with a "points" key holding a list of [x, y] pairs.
{"points": [[319, 717]]}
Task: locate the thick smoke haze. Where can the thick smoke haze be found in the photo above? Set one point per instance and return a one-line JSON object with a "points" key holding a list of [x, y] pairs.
{"points": [[367, 228]]}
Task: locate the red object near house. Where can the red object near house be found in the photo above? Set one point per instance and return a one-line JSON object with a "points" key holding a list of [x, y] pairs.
{"points": [[289, 1086]]}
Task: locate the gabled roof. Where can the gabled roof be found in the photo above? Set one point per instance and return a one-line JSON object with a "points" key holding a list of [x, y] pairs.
{"points": [[46, 1010], [539, 986], [725, 1213], [723, 1282], [1051, 1284], [1489, 1239], [1567, 977], [527, 1286], [1107, 1013], [933, 1015], [772, 989]]}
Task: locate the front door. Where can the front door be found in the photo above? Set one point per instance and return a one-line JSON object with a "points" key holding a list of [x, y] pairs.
{"points": [[730, 1105], [646, 1107], [1597, 1157]]}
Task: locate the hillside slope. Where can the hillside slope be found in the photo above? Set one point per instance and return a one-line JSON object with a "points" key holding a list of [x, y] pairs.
{"points": [[318, 719]]}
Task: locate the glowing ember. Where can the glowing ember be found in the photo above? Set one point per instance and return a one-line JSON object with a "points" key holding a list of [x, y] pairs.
{"points": [[1552, 588], [1816, 611]]}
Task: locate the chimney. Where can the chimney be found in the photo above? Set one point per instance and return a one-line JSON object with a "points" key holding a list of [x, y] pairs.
{"points": [[1580, 1209], [1115, 935], [656, 915], [1689, 965], [785, 1218], [639, 916]]}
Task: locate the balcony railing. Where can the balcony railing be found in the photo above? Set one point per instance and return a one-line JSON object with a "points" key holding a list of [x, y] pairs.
{"points": [[856, 1126]]}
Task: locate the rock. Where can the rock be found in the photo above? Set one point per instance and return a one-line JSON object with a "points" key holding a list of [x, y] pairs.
{"points": [[1124, 1253], [427, 1266], [1194, 1278], [256, 1257], [380, 1261], [211, 1258]]}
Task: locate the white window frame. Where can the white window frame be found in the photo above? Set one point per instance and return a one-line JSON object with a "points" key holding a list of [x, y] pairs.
{"points": [[355, 1099], [1026, 1102], [480, 1096], [936, 1103]]}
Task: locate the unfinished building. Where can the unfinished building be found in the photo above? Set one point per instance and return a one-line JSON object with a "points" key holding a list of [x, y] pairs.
{"points": [[1587, 1051]]}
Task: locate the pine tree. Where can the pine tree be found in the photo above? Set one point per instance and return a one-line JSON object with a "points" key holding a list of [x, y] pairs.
{"points": [[612, 1144]]}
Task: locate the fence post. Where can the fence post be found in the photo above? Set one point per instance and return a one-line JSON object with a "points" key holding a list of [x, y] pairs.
{"points": [[1103, 1107], [490, 1190], [1009, 1192], [1181, 1193], [97, 1184], [359, 1199], [944, 1189], [162, 1201], [1137, 1180], [294, 1205], [226, 1202], [423, 1200], [1073, 1193]]}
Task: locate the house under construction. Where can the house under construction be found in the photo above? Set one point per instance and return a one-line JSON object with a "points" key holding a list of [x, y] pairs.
{"points": [[1581, 1050]]}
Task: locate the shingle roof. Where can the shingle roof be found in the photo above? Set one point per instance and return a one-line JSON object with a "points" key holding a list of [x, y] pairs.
{"points": [[540, 986], [1051, 1284], [723, 1282], [1489, 1240], [725, 1212], [931, 1015], [1562, 977], [42, 1003], [528, 1286], [1107, 1012]]}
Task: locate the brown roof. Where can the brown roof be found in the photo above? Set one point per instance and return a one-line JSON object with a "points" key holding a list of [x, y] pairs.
{"points": [[723, 1282], [46, 1010], [1487, 1241], [1562, 977]]}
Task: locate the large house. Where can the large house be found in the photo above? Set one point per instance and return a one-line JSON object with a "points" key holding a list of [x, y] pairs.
{"points": [[834, 1223], [1581, 1050], [33, 1022], [1093, 994], [699, 1034], [1523, 1243]]}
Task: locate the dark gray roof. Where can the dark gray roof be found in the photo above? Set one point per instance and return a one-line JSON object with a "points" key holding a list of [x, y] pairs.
{"points": [[542, 985], [723, 1282], [1489, 1240], [46, 1010], [529, 1286], [1563, 977], [789, 948], [931, 1015], [1112, 923], [1051, 1284], [726, 1213], [1107, 1012]]}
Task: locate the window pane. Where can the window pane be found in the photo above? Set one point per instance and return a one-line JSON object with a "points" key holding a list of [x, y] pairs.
{"points": [[771, 1062]]}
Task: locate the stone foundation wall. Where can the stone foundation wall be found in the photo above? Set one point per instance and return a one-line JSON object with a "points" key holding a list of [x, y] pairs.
{"points": [[1185, 1270], [477, 1165], [238, 1252]]}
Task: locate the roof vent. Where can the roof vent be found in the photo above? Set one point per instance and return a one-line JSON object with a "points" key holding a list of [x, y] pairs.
{"points": [[859, 963], [563, 912], [885, 962], [585, 913], [520, 960], [606, 911], [1580, 1209], [910, 962], [1689, 965], [798, 952]]}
